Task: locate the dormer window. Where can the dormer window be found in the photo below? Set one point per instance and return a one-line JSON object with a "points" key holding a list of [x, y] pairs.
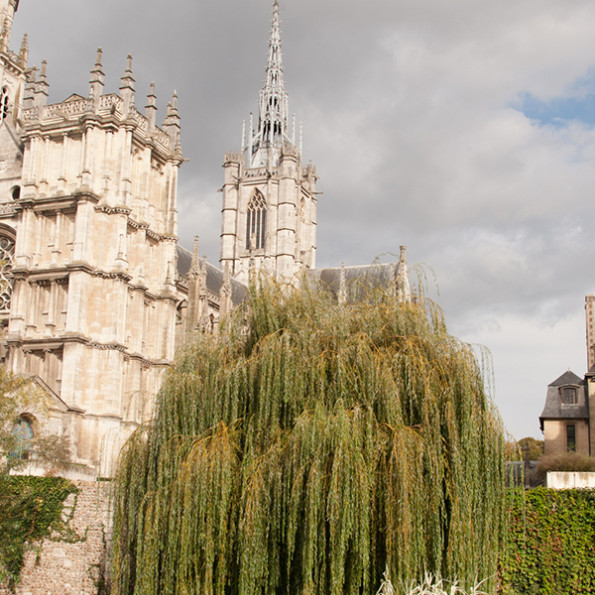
{"points": [[569, 395]]}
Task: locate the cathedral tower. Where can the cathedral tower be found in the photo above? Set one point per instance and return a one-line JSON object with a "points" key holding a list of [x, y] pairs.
{"points": [[269, 196], [88, 250]]}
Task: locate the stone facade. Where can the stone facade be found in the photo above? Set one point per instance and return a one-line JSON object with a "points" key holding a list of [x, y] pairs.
{"points": [[72, 563], [88, 226]]}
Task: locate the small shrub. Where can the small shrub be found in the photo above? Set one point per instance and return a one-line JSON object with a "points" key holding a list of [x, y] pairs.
{"points": [[570, 461]]}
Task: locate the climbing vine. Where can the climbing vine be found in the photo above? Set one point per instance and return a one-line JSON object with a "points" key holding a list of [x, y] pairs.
{"points": [[308, 448], [31, 508], [551, 543]]}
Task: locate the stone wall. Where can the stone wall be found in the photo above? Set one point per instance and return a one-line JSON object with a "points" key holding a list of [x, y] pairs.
{"points": [[568, 480], [73, 562]]}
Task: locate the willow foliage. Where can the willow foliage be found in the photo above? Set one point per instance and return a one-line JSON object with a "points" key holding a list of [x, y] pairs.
{"points": [[308, 448]]}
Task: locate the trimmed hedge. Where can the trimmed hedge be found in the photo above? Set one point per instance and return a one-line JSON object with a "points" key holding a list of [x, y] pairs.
{"points": [[30, 509], [550, 546]]}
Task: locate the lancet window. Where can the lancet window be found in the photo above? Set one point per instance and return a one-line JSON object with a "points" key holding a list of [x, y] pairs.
{"points": [[6, 280], [3, 104], [256, 222], [23, 433]]}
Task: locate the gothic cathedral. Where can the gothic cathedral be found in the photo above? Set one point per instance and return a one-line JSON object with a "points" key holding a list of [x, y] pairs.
{"points": [[95, 292]]}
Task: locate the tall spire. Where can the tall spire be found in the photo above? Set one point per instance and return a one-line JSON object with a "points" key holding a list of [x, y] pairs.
{"points": [[273, 115]]}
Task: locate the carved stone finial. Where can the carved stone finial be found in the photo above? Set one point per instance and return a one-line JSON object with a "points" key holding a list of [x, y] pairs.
{"points": [[195, 262], [402, 278], [151, 107], [41, 86], [24, 51], [171, 124], [127, 85], [4, 35], [342, 294], [97, 77], [127, 78]]}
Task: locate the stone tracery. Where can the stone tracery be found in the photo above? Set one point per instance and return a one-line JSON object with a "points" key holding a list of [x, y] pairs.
{"points": [[6, 281]]}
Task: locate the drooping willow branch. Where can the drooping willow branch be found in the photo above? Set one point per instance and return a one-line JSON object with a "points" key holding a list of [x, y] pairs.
{"points": [[308, 448]]}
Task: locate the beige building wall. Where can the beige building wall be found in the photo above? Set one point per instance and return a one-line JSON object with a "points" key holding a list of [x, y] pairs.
{"points": [[555, 436]]}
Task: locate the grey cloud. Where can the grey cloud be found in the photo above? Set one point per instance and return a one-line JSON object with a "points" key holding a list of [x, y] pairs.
{"points": [[407, 114]]}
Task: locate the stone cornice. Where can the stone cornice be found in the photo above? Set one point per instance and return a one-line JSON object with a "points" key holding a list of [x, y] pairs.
{"points": [[59, 272], [148, 363], [87, 268], [59, 203], [56, 343], [8, 209], [153, 235], [113, 346], [117, 210]]}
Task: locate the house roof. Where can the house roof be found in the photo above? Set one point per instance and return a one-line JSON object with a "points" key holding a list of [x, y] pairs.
{"points": [[555, 409], [568, 378]]}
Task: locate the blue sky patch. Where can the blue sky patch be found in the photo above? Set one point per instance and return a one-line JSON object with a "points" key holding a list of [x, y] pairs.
{"points": [[558, 111], [579, 104]]}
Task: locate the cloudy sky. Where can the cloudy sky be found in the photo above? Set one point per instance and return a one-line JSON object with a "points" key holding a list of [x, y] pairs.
{"points": [[461, 128]]}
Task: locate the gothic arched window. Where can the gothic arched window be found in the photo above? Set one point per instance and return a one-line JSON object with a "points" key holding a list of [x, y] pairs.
{"points": [[23, 434], [6, 259], [256, 222], [3, 104]]}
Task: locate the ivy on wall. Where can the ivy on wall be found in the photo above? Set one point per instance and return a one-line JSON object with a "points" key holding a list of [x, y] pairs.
{"points": [[30, 509], [551, 543]]}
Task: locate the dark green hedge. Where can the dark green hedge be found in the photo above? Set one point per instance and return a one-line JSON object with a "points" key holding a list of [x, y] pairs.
{"points": [[30, 508], [550, 544]]}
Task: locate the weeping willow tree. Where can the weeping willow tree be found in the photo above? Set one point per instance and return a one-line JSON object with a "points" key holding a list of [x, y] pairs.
{"points": [[309, 448]]}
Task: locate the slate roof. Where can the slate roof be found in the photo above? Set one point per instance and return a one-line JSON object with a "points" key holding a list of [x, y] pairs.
{"points": [[214, 276], [555, 409], [358, 279]]}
